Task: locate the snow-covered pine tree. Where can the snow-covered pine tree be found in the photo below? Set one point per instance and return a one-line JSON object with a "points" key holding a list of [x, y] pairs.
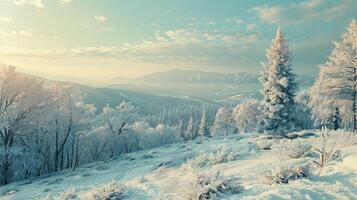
{"points": [[279, 88], [337, 82], [203, 130], [180, 129], [190, 133], [336, 119]]}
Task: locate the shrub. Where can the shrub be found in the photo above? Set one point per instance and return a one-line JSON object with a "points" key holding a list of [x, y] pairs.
{"points": [[283, 175], [108, 191], [293, 148], [68, 194], [219, 156], [210, 186], [265, 144]]}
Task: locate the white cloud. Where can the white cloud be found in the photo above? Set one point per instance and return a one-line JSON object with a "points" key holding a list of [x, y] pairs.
{"points": [[65, 1], [251, 26], [164, 47], [100, 18], [270, 14], [22, 33], [211, 22], [310, 4], [5, 19], [304, 11], [35, 3]]}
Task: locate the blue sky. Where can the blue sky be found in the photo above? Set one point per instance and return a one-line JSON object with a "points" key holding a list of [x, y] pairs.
{"points": [[92, 41]]}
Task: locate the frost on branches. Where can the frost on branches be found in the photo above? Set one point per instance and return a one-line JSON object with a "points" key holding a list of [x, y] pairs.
{"points": [[278, 90], [337, 82]]}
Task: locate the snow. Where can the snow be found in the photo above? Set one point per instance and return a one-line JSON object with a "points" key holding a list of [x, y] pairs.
{"points": [[176, 172], [350, 158]]}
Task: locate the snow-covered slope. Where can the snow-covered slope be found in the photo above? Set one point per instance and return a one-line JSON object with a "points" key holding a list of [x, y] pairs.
{"points": [[240, 166]]}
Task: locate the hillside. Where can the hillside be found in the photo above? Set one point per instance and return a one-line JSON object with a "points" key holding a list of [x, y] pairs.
{"points": [[147, 103], [248, 166]]}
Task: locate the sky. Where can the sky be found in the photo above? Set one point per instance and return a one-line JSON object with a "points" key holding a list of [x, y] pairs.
{"points": [[93, 41]]}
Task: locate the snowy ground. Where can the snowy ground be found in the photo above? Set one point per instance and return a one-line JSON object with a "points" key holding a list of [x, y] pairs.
{"points": [[186, 170]]}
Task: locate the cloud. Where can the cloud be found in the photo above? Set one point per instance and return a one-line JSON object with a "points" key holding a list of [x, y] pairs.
{"points": [[270, 14], [311, 4], [100, 18], [35, 3], [23, 33], [5, 19], [173, 46], [251, 27], [304, 11], [65, 1]]}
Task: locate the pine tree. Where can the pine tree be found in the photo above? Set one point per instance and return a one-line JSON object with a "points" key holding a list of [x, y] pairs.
{"points": [[180, 129], [203, 130], [190, 133], [279, 89], [336, 119], [337, 82]]}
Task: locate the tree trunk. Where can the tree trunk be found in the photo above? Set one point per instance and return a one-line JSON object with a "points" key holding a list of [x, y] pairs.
{"points": [[354, 99], [5, 172], [354, 112]]}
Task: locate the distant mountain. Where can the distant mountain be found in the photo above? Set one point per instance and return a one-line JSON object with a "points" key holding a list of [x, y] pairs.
{"points": [[194, 76], [147, 103], [193, 84]]}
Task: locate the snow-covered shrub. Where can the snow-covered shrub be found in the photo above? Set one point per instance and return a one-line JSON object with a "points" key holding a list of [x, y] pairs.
{"points": [[199, 161], [108, 191], [7, 194], [211, 185], [282, 175], [68, 194], [293, 148], [222, 155], [265, 144], [219, 156], [326, 150], [45, 197]]}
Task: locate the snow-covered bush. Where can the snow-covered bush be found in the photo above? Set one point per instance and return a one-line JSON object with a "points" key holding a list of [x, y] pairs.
{"points": [[265, 144], [282, 175], [293, 148], [45, 197], [326, 150], [68, 194], [108, 191], [219, 156], [7, 195], [212, 185]]}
